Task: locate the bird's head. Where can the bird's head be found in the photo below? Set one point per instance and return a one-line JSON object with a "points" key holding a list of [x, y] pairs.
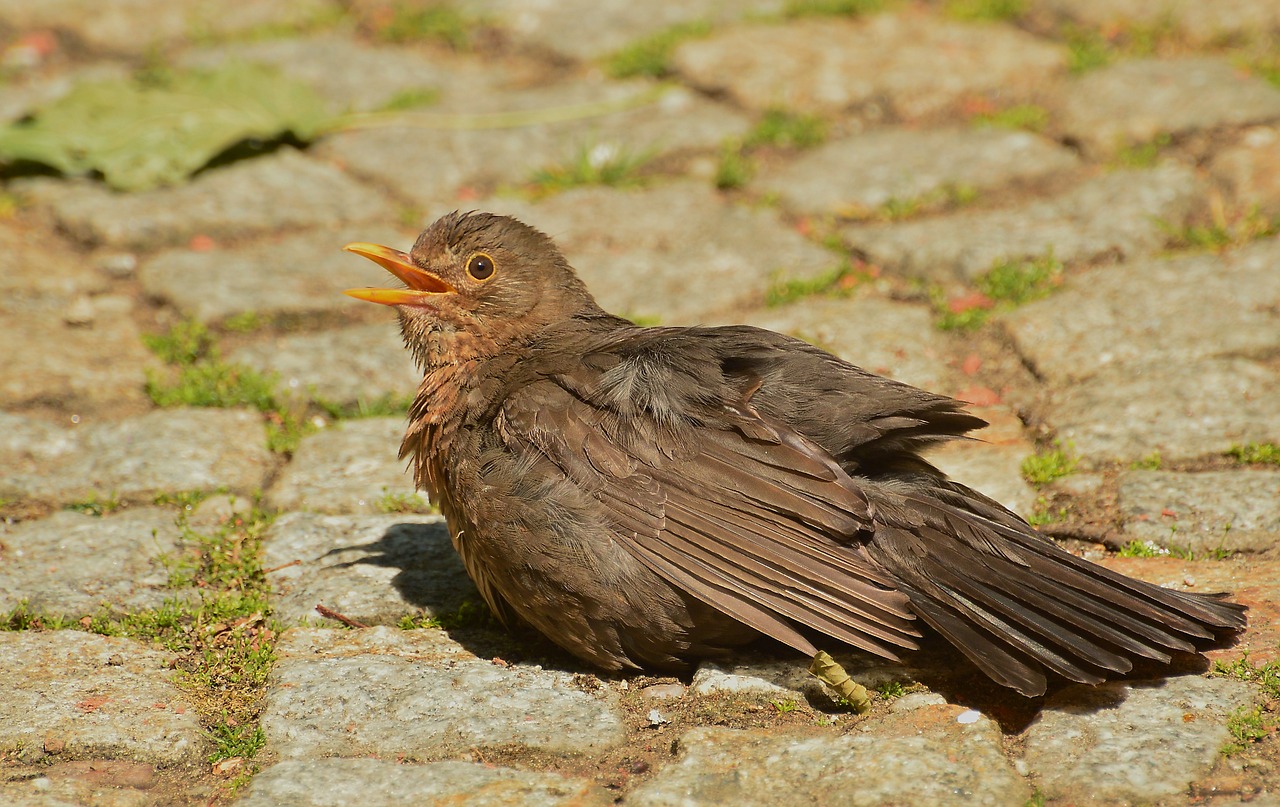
{"points": [[476, 284]]}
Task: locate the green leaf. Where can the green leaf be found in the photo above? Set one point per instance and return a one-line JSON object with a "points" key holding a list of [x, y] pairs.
{"points": [[143, 136]]}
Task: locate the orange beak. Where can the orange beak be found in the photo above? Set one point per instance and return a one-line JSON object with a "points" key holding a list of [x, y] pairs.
{"points": [[422, 284]]}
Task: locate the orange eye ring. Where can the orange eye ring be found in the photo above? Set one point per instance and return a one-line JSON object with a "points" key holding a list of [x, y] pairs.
{"points": [[480, 266]]}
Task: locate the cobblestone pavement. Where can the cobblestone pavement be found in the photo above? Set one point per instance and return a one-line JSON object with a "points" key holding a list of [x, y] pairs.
{"points": [[1061, 211]]}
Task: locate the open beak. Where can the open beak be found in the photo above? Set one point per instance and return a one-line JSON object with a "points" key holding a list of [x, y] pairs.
{"points": [[422, 284]]}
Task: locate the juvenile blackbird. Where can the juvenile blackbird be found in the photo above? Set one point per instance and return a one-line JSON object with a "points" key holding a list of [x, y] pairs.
{"points": [[649, 496]]}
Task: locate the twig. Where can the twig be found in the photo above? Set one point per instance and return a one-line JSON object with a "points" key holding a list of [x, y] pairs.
{"points": [[294, 562], [346, 620]]}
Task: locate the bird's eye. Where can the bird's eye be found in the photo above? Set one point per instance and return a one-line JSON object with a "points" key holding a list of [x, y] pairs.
{"points": [[480, 266]]}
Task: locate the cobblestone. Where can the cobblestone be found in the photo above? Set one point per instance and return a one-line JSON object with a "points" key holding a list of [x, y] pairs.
{"points": [[1182, 411], [1136, 102], [857, 175], [293, 276], [91, 357], [883, 336], [698, 257], [344, 366], [371, 77], [118, 27], [387, 692], [1129, 741], [374, 569], [558, 125], [136, 458], [1202, 513], [350, 467], [907, 65], [77, 695], [583, 29], [69, 564], [1162, 309], [232, 203], [1152, 176], [898, 761], [1250, 170], [336, 782], [1124, 214], [1187, 18]]}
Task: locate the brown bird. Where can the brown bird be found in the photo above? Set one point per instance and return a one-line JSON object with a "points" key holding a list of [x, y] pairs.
{"points": [[649, 496]]}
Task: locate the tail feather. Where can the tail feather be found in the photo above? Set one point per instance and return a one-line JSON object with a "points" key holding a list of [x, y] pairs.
{"points": [[992, 657], [1018, 605]]}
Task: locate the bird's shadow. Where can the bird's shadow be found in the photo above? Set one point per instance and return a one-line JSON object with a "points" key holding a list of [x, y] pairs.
{"points": [[945, 671], [431, 579], [433, 582]]}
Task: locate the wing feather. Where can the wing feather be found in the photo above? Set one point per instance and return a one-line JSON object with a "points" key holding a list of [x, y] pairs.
{"points": [[742, 523], [754, 517]]}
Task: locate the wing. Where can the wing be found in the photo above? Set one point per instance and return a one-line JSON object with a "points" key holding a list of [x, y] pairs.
{"points": [[1012, 601], [743, 508], [867, 422], [729, 505]]}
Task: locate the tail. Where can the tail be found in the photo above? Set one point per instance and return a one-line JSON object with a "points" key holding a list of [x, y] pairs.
{"points": [[1017, 605]]}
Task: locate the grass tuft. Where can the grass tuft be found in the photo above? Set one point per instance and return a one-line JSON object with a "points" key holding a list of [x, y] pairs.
{"points": [[838, 281], [734, 169], [236, 740], [21, 617], [1141, 155], [1027, 117], [1223, 232], [1266, 676], [182, 344], [786, 129], [1256, 453], [1020, 282], [1247, 725], [244, 322], [832, 8], [651, 56], [183, 500], [199, 377], [389, 405], [1151, 462], [216, 623], [1044, 467], [404, 503], [1092, 48], [601, 164], [945, 197], [1042, 513], [1087, 49], [434, 23], [891, 690], [1150, 549], [212, 383], [1007, 285], [1268, 67], [985, 10], [472, 614], [1142, 549], [96, 504], [778, 128]]}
